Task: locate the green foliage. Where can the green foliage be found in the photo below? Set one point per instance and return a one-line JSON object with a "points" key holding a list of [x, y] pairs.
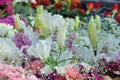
{"points": [[24, 9]]}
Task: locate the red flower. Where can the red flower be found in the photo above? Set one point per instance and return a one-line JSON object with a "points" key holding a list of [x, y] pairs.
{"points": [[45, 2], [113, 66], [73, 6], [82, 11], [98, 5], [79, 5], [38, 1], [115, 7], [118, 18], [108, 13], [33, 3], [90, 5], [58, 5], [75, 1]]}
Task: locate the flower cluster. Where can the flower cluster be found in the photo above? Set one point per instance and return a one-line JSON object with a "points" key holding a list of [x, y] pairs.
{"points": [[8, 72], [22, 40], [7, 6], [49, 46], [109, 67], [75, 7], [8, 20], [34, 3]]}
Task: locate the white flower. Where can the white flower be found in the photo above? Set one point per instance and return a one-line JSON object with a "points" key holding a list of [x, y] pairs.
{"points": [[44, 23], [32, 35], [42, 49], [8, 50], [56, 21], [4, 29], [109, 45], [11, 34], [61, 36], [49, 22]]}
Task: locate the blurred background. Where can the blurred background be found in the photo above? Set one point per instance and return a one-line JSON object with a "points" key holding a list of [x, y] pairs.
{"points": [[105, 1]]}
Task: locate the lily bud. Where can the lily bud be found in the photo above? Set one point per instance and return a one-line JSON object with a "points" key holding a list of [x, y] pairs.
{"points": [[76, 23], [61, 37], [98, 22], [41, 22], [17, 21], [39, 11], [19, 24], [92, 32]]}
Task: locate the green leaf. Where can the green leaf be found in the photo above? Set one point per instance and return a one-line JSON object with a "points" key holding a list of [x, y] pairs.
{"points": [[51, 62]]}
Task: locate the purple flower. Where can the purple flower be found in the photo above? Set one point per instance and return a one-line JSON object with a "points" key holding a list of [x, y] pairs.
{"points": [[69, 42], [8, 4], [22, 40], [81, 67], [2, 2], [9, 9], [8, 20]]}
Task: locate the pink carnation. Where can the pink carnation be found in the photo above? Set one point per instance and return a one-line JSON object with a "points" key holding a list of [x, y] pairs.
{"points": [[74, 74], [12, 73]]}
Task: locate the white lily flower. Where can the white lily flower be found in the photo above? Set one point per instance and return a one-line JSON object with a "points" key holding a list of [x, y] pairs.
{"points": [[42, 49], [8, 50], [4, 29], [47, 22], [32, 35]]}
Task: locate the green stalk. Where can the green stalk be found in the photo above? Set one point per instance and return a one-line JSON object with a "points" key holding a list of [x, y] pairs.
{"points": [[58, 56]]}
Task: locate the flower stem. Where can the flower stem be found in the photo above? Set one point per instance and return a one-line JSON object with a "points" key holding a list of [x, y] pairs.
{"points": [[95, 52], [58, 56]]}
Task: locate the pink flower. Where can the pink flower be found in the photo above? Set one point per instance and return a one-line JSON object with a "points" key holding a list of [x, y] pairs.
{"points": [[74, 74], [13, 73], [34, 67], [8, 4], [9, 8]]}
